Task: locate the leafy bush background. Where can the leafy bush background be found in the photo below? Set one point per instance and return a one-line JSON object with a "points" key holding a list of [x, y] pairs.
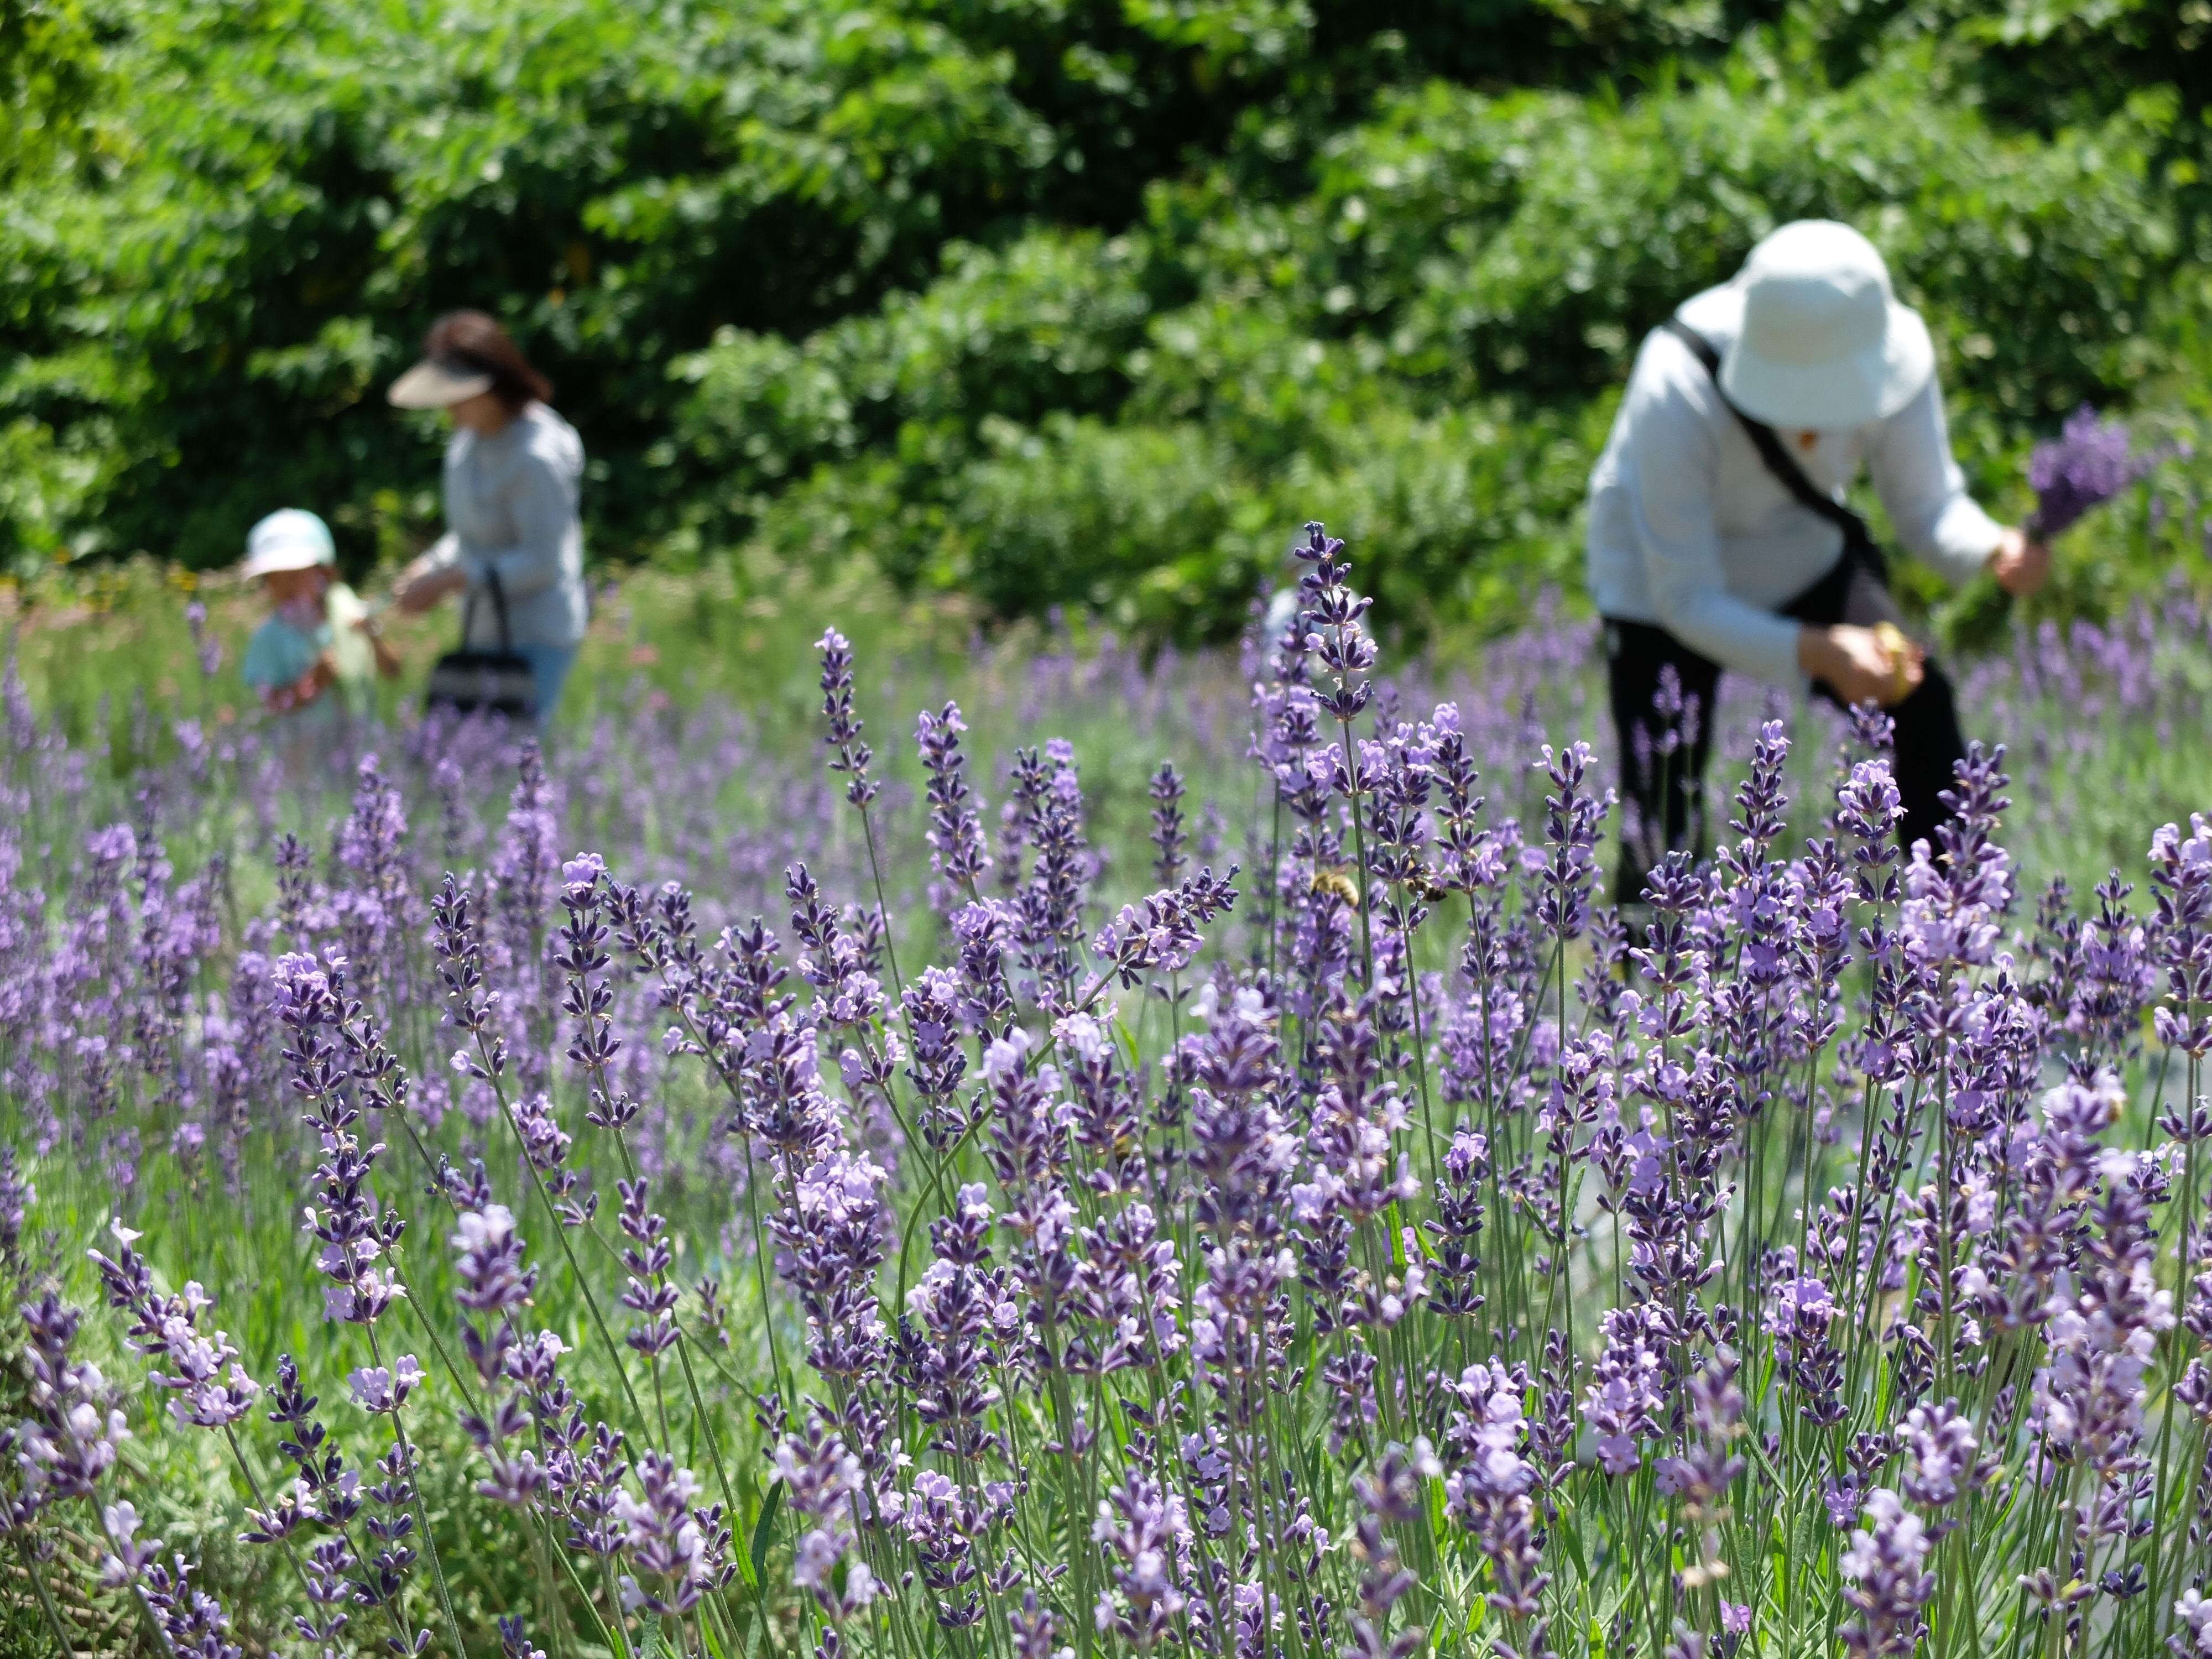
{"points": [[1050, 302]]}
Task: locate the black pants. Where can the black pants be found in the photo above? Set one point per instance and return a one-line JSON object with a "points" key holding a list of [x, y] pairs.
{"points": [[1669, 789]]}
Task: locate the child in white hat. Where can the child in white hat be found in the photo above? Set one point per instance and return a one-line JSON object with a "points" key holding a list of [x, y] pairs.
{"points": [[317, 637]]}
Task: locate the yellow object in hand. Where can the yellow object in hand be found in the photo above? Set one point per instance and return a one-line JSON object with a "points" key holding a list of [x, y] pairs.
{"points": [[1898, 649]]}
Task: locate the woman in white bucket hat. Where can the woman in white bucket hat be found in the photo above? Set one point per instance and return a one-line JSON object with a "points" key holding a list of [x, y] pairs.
{"points": [[1718, 539]]}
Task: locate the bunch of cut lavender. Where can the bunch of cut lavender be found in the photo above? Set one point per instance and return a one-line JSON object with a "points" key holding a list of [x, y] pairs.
{"points": [[2090, 461]]}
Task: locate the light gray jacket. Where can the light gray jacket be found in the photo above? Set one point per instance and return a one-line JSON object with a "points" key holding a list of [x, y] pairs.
{"points": [[511, 506]]}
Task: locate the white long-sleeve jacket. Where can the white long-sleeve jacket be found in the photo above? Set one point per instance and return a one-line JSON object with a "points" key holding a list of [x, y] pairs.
{"points": [[1690, 530]]}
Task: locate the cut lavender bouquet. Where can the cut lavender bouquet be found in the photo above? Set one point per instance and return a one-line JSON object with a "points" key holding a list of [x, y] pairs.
{"points": [[2090, 461]]}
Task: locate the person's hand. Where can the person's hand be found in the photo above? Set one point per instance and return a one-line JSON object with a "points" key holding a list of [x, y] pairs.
{"points": [[2019, 565], [1859, 666], [284, 699], [418, 590]]}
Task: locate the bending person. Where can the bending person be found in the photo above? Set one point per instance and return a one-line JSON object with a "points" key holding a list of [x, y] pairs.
{"points": [[1718, 540], [512, 474]]}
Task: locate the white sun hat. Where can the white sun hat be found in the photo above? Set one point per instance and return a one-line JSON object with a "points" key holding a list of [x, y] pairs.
{"points": [[438, 383], [1825, 345], [288, 539]]}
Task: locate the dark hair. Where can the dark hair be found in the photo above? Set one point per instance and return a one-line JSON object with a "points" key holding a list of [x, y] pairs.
{"points": [[474, 341]]}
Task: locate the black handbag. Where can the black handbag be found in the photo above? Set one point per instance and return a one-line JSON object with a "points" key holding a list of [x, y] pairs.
{"points": [[472, 681]]}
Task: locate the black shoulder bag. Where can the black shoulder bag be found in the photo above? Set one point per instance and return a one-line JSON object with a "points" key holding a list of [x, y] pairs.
{"points": [[470, 681], [1860, 547]]}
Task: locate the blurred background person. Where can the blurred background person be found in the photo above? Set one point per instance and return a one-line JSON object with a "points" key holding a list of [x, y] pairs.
{"points": [[514, 472], [318, 653], [1718, 538]]}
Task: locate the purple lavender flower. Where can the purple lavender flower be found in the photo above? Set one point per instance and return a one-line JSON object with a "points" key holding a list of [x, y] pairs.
{"points": [[581, 954], [955, 833], [379, 1390], [1489, 1495], [1889, 1583], [1049, 907], [666, 1544], [1623, 1401], [488, 1261], [1950, 914], [192, 1622], [1335, 638], [2101, 1338], [963, 1313], [1572, 820], [1943, 1445], [1867, 808], [1457, 1228], [2181, 872], [982, 931], [1145, 1535], [16, 1197], [2195, 1637], [355, 1232], [166, 1328], [821, 1480], [1705, 1470], [832, 1236], [332, 1588], [1126, 1283], [2088, 463], [69, 1442], [853, 756], [1170, 838], [1396, 1495], [647, 1258], [375, 909], [1161, 935], [205, 647], [944, 1526], [1034, 1629], [514, 1641], [1156, 1235], [324, 1492], [65, 1450]]}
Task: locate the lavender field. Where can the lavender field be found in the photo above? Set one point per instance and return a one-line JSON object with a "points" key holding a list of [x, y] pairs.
{"points": [[1057, 1153]]}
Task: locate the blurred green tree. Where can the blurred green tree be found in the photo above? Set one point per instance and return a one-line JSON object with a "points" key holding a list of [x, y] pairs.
{"points": [[1052, 301]]}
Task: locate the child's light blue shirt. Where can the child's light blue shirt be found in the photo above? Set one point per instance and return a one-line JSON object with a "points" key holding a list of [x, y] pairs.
{"points": [[280, 655]]}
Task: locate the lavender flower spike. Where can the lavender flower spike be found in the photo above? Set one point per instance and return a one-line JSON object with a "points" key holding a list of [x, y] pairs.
{"points": [[1889, 1583], [956, 831], [853, 756], [2090, 463]]}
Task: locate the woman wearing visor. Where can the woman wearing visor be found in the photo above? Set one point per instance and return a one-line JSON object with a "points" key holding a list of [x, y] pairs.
{"points": [[1719, 539], [513, 538]]}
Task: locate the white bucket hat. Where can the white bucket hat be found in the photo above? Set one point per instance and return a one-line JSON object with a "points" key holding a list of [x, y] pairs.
{"points": [[1825, 345], [288, 539]]}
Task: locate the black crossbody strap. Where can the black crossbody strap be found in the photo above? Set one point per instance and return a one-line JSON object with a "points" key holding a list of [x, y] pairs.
{"points": [[1859, 539]]}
